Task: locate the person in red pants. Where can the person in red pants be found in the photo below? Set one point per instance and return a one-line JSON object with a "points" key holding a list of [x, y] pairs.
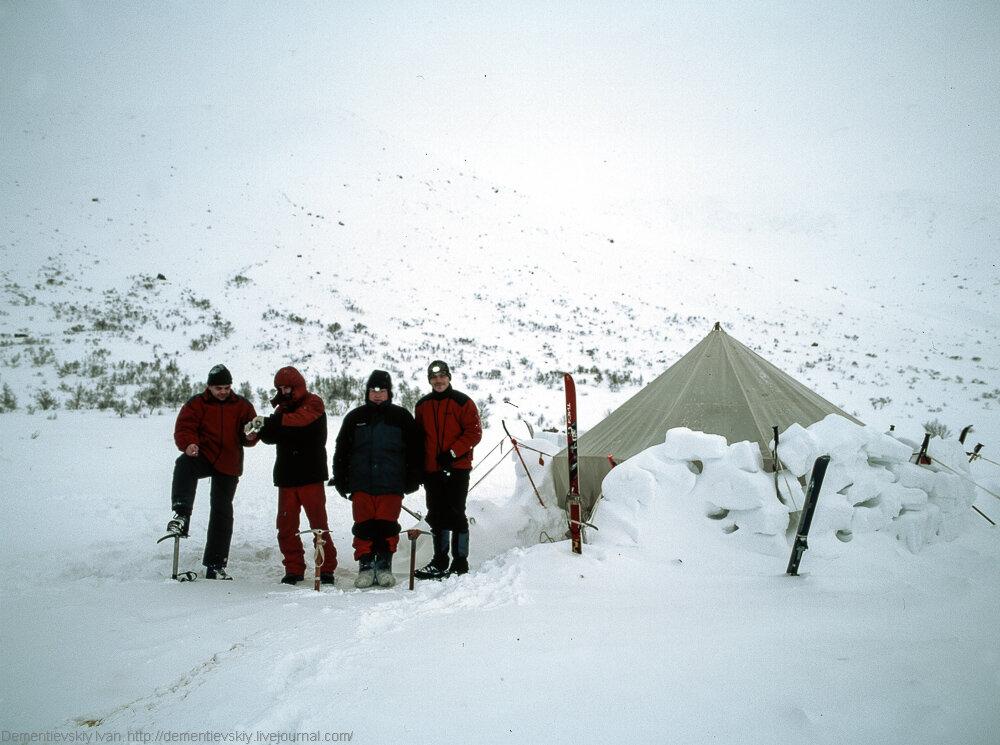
{"points": [[376, 461], [297, 429]]}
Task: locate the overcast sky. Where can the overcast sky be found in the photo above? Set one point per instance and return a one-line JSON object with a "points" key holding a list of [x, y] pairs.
{"points": [[782, 101]]}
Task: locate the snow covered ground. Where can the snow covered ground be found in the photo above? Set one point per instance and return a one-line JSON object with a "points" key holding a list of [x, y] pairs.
{"points": [[665, 627], [551, 187]]}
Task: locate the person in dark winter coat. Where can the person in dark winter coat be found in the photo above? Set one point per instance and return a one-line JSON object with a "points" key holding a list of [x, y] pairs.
{"points": [[450, 428], [209, 432], [377, 460], [297, 429]]}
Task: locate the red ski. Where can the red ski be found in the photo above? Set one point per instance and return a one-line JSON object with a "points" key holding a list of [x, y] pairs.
{"points": [[573, 506]]}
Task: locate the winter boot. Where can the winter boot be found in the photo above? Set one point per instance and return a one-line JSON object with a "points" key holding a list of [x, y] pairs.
{"points": [[366, 571], [460, 553], [438, 566], [326, 578], [178, 525], [216, 571], [292, 579], [383, 570]]}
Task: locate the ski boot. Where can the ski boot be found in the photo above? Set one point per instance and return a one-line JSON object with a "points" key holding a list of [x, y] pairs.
{"points": [[178, 525], [438, 566], [216, 571], [460, 552], [292, 579]]}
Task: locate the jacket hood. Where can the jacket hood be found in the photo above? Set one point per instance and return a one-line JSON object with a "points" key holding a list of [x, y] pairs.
{"points": [[291, 377]]}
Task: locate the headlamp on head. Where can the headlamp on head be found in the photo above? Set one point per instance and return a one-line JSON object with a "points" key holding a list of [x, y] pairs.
{"points": [[438, 367]]}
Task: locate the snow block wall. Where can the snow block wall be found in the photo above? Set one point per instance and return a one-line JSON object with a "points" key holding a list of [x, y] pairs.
{"points": [[870, 487]]}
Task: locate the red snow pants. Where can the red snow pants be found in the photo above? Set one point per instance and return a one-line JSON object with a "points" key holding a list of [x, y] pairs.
{"points": [[312, 499], [376, 522]]}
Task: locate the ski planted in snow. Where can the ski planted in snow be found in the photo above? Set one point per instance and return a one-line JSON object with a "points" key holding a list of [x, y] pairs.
{"points": [[808, 509], [573, 505]]}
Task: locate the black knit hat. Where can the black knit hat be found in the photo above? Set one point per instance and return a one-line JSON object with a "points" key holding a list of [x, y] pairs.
{"points": [[220, 375], [438, 367], [380, 380]]}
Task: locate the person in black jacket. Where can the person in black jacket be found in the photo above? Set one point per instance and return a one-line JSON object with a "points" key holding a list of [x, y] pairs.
{"points": [[376, 460], [298, 430]]}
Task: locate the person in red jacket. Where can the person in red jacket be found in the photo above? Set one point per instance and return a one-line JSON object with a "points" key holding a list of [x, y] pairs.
{"points": [[449, 422], [297, 429], [209, 432]]}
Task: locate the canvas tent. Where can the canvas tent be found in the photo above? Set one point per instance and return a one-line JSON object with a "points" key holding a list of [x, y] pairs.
{"points": [[719, 387]]}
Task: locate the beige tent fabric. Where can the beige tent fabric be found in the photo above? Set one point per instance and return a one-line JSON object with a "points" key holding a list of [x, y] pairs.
{"points": [[719, 387]]}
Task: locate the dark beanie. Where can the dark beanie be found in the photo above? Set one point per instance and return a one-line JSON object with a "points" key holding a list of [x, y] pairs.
{"points": [[437, 367], [220, 375], [380, 379]]}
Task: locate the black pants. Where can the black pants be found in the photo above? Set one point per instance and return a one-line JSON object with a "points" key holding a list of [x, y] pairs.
{"points": [[187, 472], [446, 495]]}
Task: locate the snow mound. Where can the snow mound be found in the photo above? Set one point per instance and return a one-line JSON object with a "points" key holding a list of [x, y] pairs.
{"points": [[870, 487]]}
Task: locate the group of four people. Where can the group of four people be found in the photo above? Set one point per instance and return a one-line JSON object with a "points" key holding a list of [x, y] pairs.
{"points": [[382, 453]]}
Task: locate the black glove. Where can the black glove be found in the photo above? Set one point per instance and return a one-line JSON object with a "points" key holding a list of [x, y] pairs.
{"points": [[341, 492], [445, 460]]}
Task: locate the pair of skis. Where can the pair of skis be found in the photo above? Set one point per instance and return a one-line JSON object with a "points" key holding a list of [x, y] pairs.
{"points": [[573, 503]]}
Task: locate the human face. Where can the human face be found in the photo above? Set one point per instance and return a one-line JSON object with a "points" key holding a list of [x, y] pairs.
{"points": [[440, 382], [379, 396], [221, 392]]}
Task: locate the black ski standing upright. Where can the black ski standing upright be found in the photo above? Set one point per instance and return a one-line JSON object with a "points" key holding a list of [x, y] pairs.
{"points": [[808, 509], [573, 505]]}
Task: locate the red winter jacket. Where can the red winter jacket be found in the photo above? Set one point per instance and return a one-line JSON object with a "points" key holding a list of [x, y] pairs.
{"points": [[449, 421], [217, 428]]}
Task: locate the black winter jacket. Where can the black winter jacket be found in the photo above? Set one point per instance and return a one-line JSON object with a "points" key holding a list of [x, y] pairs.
{"points": [[378, 451]]}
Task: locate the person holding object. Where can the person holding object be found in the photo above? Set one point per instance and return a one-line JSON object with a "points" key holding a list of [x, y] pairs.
{"points": [[377, 460], [297, 429], [450, 428], [209, 432]]}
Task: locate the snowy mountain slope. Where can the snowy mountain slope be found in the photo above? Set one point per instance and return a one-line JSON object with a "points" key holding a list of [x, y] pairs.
{"points": [[406, 266]]}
